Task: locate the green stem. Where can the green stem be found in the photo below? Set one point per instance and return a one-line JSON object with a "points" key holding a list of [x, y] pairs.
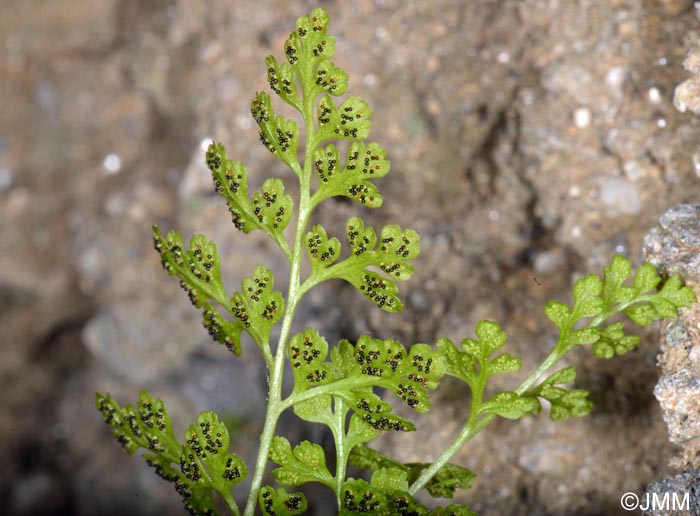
{"points": [[338, 387], [275, 405], [274, 394], [475, 425], [341, 452], [230, 502], [617, 309], [267, 354], [552, 359]]}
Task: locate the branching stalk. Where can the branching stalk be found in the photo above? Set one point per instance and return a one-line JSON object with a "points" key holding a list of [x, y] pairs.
{"points": [[337, 384]]}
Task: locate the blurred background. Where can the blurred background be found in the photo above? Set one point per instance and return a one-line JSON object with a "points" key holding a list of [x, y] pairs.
{"points": [[530, 140]]}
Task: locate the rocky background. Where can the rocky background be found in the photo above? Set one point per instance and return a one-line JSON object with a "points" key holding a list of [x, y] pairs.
{"points": [[530, 140]]}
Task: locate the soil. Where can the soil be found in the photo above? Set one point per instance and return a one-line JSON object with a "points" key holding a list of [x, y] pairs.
{"points": [[530, 140]]}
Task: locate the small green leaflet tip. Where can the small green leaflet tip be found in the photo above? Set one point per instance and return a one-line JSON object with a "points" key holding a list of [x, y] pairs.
{"points": [[350, 120], [309, 44], [307, 353], [473, 363], [278, 134], [278, 502], [197, 267], [305, 463], [594, 297], [206, 444], [269, 210], [323, 251], [363, 164], [196, 468], [356, 370], [565, 403], [446, 481], [387, 493], [391, 255], [257, 306]]}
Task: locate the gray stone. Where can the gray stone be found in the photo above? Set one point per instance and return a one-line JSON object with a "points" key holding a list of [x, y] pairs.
{"points": [[679, 396], [674, 246], [674, 490], [687, 94]]}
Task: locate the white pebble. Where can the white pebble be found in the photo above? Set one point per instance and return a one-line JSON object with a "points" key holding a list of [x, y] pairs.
{"points": [[696, 163], [615, 76], [503, 57], [582, 117], [620, 196], [654, 95], [112, 164]]}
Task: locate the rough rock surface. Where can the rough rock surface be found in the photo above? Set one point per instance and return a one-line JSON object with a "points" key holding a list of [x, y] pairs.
{"points": [[530, 140], [687, 93], [678, 486], [674, 247]]}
